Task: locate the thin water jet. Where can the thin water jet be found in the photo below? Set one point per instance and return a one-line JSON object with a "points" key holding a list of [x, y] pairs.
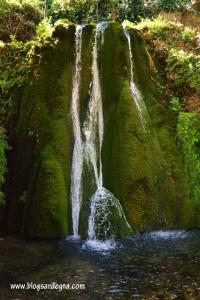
{"points": [[133, 87], [94, 124], [77, 160]]}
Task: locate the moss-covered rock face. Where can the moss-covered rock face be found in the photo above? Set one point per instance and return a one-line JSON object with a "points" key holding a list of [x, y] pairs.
{"points": [[142, 165], [42, 146], [170, 182]]}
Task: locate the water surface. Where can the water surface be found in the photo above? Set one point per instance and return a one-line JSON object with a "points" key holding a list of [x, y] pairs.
{"points": [[156, 265]]}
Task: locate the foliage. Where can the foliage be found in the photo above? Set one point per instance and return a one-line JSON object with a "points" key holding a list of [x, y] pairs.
{"points": [[44, 29], [3, 164], [188, 132], [157, 27], [153, 7], [21, 16], [18, 18], [75, 11], [134, 11], [175, 104], [176, 48], [23, 197], [17, 63], [161, 28], [82, 11], [177, 45], [188, 34], [186, 67], [196, 6]]}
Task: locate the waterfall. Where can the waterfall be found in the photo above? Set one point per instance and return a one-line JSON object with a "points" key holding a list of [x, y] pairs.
{"points": [[104, 206], [94, 126], [106, 213], [77, 160], [133, 87]]}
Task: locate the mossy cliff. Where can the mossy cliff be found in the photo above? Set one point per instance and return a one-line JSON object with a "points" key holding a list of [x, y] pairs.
{"points": [[142, 164], [40, 160], [169, 181]]}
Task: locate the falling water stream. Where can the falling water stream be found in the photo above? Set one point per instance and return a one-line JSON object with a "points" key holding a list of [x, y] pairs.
{"points": [[105, 208], [77, 161], [94, 125], [133, 87]]}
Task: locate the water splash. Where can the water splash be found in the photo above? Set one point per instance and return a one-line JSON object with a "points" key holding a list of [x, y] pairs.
{"points": [[106, 217], [100, 246], [77, 160], [167, 235], [133, 87]]}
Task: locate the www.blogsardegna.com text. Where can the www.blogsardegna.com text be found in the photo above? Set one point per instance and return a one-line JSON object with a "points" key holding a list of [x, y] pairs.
{"points": [[47, 286]]}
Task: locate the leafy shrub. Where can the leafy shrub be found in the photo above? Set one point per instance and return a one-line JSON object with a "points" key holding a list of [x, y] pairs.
{"points": [[153, 7], [188, 34], [183, 66], [18, 18], [17, 62], [157, 27], [175, 104], [186, 67], [3, 164], [44, 29]]}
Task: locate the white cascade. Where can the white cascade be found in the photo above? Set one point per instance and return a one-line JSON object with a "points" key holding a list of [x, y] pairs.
{"points": [[77, 160], [104, 208], [133, 87], [94, 126]]}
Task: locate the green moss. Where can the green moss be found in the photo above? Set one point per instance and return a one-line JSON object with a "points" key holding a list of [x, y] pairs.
{"points": [[86, 74], [48, 214], [44, 132], [125, 163], [143, 168], [188, 128], [171, 188]]}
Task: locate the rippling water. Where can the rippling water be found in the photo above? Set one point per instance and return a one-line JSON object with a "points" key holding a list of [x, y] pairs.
{"points": [[156, 265]]}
